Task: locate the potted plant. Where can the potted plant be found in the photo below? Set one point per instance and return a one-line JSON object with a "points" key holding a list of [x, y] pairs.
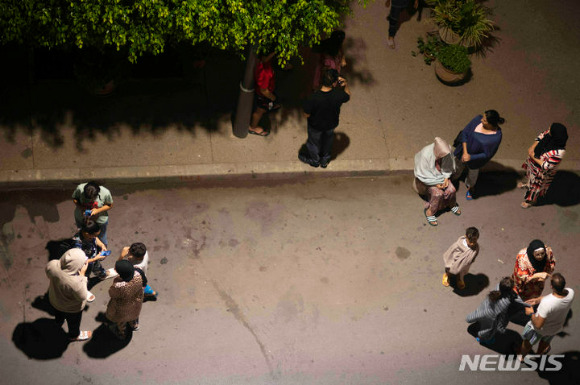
{"points": [[452, 64], [429, 48], [462, 21]]}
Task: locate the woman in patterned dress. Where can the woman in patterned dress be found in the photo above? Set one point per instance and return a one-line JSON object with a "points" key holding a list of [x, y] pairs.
{"points": [[543, 157], [126, 298], [533, 266]]}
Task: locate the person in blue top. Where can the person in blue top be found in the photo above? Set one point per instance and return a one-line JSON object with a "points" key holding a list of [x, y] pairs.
{"points": [[475, 145]]}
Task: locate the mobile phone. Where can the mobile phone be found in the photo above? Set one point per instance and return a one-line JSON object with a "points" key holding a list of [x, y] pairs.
{"points": [[87, 213], [106, 253]]}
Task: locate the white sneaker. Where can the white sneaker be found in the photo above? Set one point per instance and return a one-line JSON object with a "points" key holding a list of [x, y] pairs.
{"points": [[90, 297]]}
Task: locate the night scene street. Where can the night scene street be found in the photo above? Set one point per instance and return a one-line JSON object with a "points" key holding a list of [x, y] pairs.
{"points": [[270, 268]]}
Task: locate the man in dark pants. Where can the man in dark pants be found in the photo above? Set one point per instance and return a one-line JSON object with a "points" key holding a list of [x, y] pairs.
{"points": [[397, 6], [322, 109]]}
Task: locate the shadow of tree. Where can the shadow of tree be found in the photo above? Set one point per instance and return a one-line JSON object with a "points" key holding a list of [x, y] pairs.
{"points": [[150, 105], [104, 343], [42, 339], [474, 284]]}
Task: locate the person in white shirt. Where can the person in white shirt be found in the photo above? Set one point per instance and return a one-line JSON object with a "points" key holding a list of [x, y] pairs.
{"points": [[550, 317]]}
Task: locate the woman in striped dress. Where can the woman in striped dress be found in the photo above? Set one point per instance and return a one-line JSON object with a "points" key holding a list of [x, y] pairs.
{"points": [[543, 158], [492, 314]]}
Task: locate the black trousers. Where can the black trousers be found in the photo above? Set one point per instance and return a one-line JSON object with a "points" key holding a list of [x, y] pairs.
{"points": [[394, 19], [319, 144], [73, 321]]}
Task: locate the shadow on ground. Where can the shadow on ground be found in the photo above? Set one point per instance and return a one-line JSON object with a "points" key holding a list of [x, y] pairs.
{"points": [[507, 343], [564, 190], [474, 284], [103, 342], [570, 372], [502, 179], [42, 339]]}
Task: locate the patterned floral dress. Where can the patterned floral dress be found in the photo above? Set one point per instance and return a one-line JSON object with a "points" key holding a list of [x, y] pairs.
{"points": [[125, 304], [540, 177], [526, 287]]}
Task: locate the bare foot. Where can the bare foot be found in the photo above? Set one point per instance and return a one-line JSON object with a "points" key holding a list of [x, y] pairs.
{"points": [[391, 42]]}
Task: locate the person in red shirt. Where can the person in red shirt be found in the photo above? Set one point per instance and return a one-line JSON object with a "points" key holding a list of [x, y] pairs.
{"points": [[265, 97]]}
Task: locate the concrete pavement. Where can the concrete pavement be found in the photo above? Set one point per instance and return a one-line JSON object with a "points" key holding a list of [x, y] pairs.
{"points": [[174, 128]]}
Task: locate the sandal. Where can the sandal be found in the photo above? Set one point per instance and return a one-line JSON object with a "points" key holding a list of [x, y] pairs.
{"points": [[90, 297], [391, 42], [431, 219], [83, 336], [460, 284], [445, 280], [526, 205], [468, 196], [522, 185], [455, 210], [263, 133]]}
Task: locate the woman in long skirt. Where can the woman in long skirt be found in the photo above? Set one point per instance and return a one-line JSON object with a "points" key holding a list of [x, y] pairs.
{"points": [[543, 158]]}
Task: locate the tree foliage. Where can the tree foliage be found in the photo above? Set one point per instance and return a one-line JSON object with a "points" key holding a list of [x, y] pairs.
{"points": [[136, 27]]}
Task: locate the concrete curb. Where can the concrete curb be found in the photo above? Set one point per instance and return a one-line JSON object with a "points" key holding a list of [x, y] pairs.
{"points": [[229, 171]]}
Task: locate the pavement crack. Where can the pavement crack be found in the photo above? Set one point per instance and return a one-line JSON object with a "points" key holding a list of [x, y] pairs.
{"points": [[234, 308]]}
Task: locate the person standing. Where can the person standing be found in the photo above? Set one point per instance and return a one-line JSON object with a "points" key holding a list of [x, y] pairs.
{"points": [[87, 240], [138, 255], [93, 202], [67, 291], [550, 317], [397, 6], [126, 301], [331, 56], [543, 157], [265, 97], [459, 257], [475, 145], [533, 266], [322, 109]]}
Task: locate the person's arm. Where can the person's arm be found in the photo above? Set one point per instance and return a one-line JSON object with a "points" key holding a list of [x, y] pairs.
{"points": [[342, 81], [105, 207], [124, 253], [532, 149], [268, 94], [538, 321], [101, 245]]}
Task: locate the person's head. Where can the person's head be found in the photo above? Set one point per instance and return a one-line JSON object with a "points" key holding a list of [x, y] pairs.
{"points": [[91, 191], [335, 42], [72, 261], [536, 253], [137, 250], [559, 134], [491, 119], [471, 236], [329, 77], [558, 283], [506, 286], [125, 269], [536, 250], [441, 148], [91, 229]]}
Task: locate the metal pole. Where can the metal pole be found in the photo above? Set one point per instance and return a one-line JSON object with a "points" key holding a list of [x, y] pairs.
{"points": [[246, 99]]}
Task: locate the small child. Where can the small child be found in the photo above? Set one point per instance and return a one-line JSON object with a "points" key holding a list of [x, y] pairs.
{"points": [[138, 256], [459, 257]]}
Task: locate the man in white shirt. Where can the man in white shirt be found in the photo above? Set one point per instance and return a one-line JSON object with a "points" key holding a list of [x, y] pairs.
{"points": [[549, 318]]}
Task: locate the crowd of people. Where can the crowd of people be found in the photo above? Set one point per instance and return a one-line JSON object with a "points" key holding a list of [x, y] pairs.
{"points": [[69, 276]]}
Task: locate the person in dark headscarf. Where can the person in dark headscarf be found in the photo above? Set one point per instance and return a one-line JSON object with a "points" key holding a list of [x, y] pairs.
{"points": [[533, 266], [126, 298], [543, 158]]}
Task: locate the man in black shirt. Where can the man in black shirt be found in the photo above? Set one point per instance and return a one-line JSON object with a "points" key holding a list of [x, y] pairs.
{"points": [[322, 109]]}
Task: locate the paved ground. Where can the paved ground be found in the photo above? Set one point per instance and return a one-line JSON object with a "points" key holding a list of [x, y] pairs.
{"points": [[328, 281], [181, 127]]}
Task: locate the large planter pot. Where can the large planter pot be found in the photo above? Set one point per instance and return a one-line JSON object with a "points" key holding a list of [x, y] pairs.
{"points": [[448, 36], [448, 77]]}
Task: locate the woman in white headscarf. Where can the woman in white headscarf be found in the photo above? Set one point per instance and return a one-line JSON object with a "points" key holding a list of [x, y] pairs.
{"points": [[434, 165]]}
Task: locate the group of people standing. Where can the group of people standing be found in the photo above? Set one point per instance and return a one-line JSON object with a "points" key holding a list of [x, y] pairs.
{"points": [[69, 276], [437, 165]]}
